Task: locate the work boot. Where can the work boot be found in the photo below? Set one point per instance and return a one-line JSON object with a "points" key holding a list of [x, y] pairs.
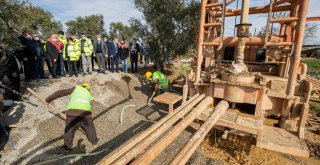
{"points": [[66, 148], [95, 145]]}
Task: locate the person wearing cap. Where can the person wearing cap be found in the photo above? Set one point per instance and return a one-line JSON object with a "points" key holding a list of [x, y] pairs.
{"points": [[160, 81], [79, 113]]}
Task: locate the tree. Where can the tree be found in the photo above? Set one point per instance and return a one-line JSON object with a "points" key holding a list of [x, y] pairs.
{"points": [[90, 25], [310, 31], [18, 15], [119, 30], [170, 27]]}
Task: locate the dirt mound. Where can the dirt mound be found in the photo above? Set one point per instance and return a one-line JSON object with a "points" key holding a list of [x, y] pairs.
{"points": [[39, 134], [241, 150]]}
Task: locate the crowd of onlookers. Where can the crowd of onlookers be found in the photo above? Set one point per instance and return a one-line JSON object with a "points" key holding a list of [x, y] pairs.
{"points": [[70, 56]]}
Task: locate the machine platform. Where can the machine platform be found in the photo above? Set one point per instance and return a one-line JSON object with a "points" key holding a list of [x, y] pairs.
{"points": [[169, 99], [280, 140]]}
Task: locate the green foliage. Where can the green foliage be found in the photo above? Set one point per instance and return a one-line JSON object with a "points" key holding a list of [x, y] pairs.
{"points": [[119, 30], [313, 67], [314, 108], [18, 15], [312, 63], [90, 25], [171, 27]]}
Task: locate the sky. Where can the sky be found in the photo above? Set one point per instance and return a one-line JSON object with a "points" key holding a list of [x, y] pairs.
{"points": [[123, 10]]}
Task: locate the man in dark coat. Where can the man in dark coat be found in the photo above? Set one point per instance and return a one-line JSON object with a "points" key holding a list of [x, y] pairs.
{"points": [[53, 50], [28, 55], [134, 48], [114, 54], [40, 54]]}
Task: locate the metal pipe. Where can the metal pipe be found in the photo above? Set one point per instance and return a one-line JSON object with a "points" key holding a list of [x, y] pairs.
{"points": [[268, 22], [187, 151], [245, 11], [200, 40], [251, 41], [243, 33], [295, 62], [124, 148], [148, 156], [142, 143], [254, 10]]}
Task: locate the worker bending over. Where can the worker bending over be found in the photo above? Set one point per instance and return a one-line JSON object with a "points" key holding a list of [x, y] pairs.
{"points": [[79, 113], [160, 81]]}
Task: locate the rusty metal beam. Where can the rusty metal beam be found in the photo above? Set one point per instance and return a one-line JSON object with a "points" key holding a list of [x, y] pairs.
{"points": [[295, 62], [284, 20], [251, 41], [230, 2], [313, 19], [255, 10], [200, 39]]}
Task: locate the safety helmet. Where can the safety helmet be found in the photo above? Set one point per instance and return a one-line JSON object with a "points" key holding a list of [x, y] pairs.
{"points": [[148, 75], [88, 86]]}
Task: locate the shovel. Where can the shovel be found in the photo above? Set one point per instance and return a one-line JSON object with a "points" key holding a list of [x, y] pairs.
{"points": [[151, 98]]}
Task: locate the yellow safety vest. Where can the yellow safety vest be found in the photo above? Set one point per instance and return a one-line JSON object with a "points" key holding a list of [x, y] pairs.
{"points": [[73, 52], [65, 42], [88, 47], [80, 99]]}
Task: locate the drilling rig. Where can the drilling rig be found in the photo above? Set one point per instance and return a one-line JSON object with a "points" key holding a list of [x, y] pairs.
{"points": [[238, 85], [260, 76]]}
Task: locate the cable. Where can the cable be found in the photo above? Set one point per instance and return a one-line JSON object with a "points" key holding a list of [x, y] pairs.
{"points": [[121, 114], [72, 156]]}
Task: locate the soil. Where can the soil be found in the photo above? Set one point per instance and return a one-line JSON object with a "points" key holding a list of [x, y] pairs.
{"points": [[241, 150], [39, 134]]}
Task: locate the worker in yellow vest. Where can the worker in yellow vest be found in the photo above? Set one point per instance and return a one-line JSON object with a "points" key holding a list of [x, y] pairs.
{"points": [[86, 49], [79, 113], [79, 61], [160, 81], [64, 62], [72, 55]]}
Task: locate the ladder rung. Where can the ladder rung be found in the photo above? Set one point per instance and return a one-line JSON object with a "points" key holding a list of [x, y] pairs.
{"points": [[212, 24], [210, 43], [214, 5], [286, 19], [279, 44]]}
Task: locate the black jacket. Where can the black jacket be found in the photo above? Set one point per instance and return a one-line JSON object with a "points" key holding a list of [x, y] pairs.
{"points": [[137, 48], [27, 50], [52, 51], [124, 53]]}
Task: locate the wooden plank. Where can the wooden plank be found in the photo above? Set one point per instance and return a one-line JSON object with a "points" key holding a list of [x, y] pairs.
{"points": [[280, 140], [168, 98], [282, 149]]}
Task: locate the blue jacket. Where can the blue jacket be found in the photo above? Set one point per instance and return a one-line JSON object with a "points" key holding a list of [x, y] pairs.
{"points": [[113, 49]]}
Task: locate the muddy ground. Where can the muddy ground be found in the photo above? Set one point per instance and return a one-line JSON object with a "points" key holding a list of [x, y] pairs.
{"points": [[39, 134]]}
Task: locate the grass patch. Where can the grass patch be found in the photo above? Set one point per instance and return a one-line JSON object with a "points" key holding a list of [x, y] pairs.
{"points": [[312, 63], [313, 67], [314, 108]]}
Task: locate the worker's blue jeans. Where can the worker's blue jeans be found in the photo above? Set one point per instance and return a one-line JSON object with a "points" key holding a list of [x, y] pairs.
{"points": [[60, 68], [125, 65], [115, 63]]}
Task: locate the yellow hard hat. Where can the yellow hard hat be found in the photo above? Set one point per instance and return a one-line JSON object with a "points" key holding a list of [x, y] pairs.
{"points": [[88, 86], [148, 75]]}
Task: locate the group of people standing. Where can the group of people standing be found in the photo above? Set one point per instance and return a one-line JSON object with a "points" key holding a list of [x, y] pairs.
{"points": [[74, 56]]}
